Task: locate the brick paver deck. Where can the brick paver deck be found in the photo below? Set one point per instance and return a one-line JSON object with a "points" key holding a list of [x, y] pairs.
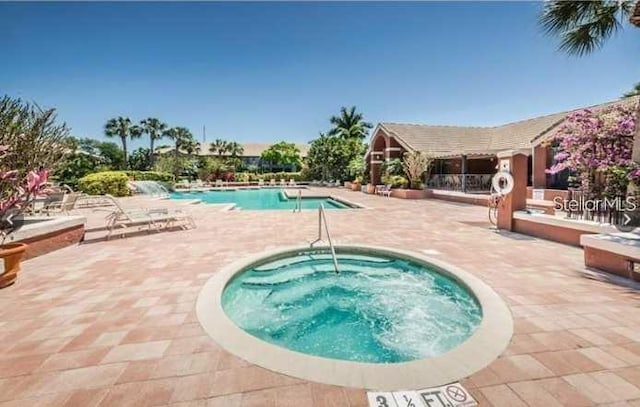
{"points": [[113, 323]]}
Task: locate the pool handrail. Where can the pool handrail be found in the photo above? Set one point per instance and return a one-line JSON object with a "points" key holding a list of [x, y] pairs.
{"points": [[322, 216]]}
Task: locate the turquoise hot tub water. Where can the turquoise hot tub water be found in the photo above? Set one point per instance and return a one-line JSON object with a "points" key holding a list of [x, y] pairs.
{"points": [[258, 199], [379, 309]]}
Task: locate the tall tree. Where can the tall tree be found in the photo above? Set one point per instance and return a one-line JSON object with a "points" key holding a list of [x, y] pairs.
{"points": [[633, 92], [219, 146], [235, 151], [349, 124], [156, 130], [584, 26], [282, 154], [183, 140], [121, 127]]}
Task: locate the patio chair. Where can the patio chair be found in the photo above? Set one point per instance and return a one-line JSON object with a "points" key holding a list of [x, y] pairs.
{"points": [[260, 182], [272, 182], [282, 182], [219, 183], [66, 205], [126, 220], [292, 182], [386, 190]]}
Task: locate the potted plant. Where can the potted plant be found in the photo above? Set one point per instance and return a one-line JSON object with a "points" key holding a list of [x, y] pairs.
{"points": [[356, 184], [416, 165], [17, 192]]}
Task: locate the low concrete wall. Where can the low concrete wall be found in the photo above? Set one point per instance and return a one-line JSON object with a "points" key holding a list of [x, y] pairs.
{"points": [[409, 193], [49, 234], [461, 197], [549, 194], [555, 228], [614, 253]]}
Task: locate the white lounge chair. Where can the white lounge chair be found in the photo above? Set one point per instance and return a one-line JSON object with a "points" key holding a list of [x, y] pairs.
{"points": [[66, 205], [272, 182], [126, 220], [292, 182], [260, 182], [282, 182]]}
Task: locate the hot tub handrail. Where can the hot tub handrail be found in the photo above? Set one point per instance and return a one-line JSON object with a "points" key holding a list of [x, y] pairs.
{"points": [[322, 217]]}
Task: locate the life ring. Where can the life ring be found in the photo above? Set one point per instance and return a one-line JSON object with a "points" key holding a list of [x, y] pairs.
{"points": [[502, 183]]}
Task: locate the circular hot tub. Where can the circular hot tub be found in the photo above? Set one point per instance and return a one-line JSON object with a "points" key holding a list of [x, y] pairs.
{"points": [[388, 320]]}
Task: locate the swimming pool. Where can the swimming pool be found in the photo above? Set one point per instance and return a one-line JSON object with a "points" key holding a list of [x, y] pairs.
{"points": [[378, 309], [391, 320], [258, 199]]}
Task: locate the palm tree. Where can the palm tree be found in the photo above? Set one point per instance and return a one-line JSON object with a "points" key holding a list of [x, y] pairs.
{"points": [[219, 146], [121, 127], [235, 149], [156, 131], [633, 92], [350, 124], [584, 26], [183, 140]]}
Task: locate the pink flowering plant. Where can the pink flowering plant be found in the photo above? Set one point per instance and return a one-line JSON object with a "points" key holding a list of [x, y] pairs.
{"points": [[17, 191], [595, 146]]}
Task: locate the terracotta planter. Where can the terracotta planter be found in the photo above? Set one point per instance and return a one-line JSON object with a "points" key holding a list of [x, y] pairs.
{"points": [[409, 193], [371, 189], [12, 255], [355, 186]]}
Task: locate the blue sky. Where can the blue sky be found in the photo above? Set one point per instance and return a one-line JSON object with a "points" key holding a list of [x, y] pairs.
{"points": [[273, 71]]}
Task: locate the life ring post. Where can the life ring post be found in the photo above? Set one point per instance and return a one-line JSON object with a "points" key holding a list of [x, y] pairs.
{"points": [[514, 192]]}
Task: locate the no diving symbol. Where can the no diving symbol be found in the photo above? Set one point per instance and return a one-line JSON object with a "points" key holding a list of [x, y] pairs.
{"points": [[456, 393]]}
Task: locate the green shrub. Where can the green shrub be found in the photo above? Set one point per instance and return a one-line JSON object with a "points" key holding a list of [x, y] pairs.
{"points": [[107, 182], [396, 181], [242, 177], [150, 176]]}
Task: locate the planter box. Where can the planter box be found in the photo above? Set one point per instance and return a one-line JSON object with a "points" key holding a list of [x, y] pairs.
{"points": [[409, 193]]}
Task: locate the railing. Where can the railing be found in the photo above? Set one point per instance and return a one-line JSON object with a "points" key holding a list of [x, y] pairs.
{"points": [[461, 182], [298, 207], [322, 219], [584, 206]]}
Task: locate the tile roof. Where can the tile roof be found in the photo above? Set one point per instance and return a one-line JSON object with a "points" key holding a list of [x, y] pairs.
{"points": [[454, 140]]}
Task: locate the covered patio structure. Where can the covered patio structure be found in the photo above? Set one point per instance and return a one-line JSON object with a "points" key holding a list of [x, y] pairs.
{"points": [[465, 157]]}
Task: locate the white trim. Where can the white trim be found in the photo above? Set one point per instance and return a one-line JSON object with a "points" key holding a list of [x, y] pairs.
{"points": [[376, 162], [393, 149], [488, 341]]}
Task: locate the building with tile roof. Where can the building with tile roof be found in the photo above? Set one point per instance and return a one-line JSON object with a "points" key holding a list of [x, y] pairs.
{"points": [[466, 156]]}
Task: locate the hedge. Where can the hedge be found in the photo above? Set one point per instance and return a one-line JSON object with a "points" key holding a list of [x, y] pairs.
{"points": [[107, 182], [150, 176]]}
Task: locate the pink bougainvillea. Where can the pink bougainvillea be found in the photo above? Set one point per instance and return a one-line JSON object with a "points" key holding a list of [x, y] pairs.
{"points": [[17, 191], [595, 146]]}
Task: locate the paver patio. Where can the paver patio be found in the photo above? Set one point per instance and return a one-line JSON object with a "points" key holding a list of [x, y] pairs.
{"points": [[112, 323]]}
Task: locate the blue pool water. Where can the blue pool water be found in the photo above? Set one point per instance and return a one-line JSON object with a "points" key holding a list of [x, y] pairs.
{"points": [[378, 309], [257, 199]]}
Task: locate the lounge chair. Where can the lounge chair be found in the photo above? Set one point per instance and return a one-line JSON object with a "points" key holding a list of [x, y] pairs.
{"points": [[219, 183], [292, 182], [260, 182], [272, 182], [385, 190], [282, 182], [183, 184], [66, 205], [126, 220]]}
